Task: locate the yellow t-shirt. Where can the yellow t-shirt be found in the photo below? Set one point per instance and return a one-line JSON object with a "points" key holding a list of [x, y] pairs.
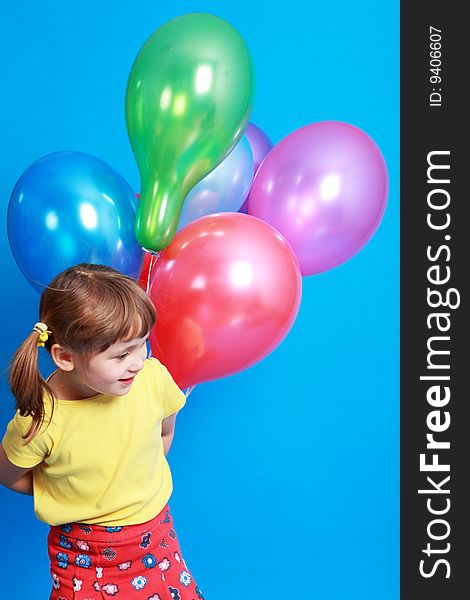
{"points": [[101, 460]]}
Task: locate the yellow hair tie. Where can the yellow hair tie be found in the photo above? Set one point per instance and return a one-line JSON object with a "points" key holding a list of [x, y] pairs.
{"points": [[44, 333]]}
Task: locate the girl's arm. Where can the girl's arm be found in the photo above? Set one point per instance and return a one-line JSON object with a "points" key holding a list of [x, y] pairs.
{"points": [[168, 431], [13, 477]]}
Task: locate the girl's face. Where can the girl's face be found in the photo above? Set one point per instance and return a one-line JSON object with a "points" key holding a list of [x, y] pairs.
{"points": [[112, 371]]}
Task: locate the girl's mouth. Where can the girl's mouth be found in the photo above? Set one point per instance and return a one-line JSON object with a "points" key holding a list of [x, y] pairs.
{"points": [[127, 381]]}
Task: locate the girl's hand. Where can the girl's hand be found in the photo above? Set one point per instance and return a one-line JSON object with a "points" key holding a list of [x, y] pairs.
{"points": [[13, 477]]}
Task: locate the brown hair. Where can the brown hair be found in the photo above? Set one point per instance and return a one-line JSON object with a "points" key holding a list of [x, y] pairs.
{"points": [[87, 308]]}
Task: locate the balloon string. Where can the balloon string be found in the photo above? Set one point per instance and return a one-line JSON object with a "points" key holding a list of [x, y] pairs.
{"points": [[189, 390], [152, 256]]}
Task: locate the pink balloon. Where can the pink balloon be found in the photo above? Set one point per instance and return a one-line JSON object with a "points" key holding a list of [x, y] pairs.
{"points": [[325, 188], [227, 290]]}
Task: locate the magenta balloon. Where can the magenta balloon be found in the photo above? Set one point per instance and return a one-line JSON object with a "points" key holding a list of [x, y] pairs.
{"points": [[260, 145], [227, 290], [325, 188]]}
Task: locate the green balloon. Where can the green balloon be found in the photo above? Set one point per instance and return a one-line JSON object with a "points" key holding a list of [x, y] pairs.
{"points": [[188, 101]]}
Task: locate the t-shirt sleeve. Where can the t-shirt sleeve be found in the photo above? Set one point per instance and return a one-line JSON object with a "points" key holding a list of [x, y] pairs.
{"points": [[173, 398], [18, 452]]}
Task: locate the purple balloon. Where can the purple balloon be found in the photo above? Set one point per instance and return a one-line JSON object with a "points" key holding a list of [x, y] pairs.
{"points": [[224, 189], [325, 188], [259, 142], [260, 145]]}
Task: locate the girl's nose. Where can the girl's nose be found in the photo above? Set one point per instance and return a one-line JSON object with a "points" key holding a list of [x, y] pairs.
{"points": [[136, 366]]}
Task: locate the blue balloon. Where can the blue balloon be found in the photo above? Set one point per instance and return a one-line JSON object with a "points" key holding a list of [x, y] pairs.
{"points": [[68, 208], [224, 189]]}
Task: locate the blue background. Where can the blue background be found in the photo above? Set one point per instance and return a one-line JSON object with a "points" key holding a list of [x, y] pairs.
{"points": [[286, 475]]}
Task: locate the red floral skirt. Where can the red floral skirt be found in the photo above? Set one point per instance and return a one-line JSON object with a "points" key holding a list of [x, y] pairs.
{"points": [[89, 562]]}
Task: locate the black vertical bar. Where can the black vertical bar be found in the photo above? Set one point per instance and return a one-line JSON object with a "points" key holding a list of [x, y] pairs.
{"points": [[435, 269]]}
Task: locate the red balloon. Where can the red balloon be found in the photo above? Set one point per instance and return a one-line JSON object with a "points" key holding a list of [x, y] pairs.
{"points": [[227, 290], [144, 273], [149, 259]]}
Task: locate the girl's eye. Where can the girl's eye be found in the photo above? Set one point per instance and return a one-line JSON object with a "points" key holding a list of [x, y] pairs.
{"points": [[123, 356]]}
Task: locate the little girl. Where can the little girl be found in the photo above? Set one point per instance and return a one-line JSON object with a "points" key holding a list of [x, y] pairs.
{"points": [[91, 441]]}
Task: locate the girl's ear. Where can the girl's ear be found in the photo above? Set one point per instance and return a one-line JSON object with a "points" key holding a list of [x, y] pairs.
{"points": [[62, 358]]}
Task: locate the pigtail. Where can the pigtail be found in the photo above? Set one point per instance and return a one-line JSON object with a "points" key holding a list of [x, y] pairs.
{"points": [[28, 385]]}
